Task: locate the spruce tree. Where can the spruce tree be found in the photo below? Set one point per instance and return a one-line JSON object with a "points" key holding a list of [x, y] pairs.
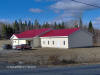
{"points": [[76, 26], [63, 25], [55, 25], [59, 26], [29, 25], [20, 25], [26, 25], [36, 24], [80, 23], [9, 30], [46, 25], [16, 27], [90, 27], [4, 31]]}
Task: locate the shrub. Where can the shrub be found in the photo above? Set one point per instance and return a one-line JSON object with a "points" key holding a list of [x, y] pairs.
{"points": [[54, 60], [67, 61]]}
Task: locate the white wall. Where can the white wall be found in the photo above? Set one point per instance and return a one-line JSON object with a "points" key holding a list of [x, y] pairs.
{"points": [[58, 42], [15, 41], [80, 39], [13, 37], [36, 42], [18, 42]]}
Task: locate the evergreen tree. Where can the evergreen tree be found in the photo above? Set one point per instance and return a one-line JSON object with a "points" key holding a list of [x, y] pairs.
{"points": [[46, 25], [58, 26], [20, 25], [43, 25], [26, 25], [36, 24], [29, 25], [55, 25], [9, 32], [32, 26], [4, 31], [16, 27], [90, 27], [76, 26], [63, 25]]}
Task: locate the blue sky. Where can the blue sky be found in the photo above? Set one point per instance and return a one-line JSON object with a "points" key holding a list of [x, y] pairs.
{"points": [[49, 10], [20, 9]]}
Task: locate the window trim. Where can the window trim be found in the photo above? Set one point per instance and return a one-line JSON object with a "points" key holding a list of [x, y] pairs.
{"points": [[48, 42], [64, 42], [53, 42]]}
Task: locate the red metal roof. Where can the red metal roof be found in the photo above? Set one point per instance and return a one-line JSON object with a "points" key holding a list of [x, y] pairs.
{"points": [[60, 32], [36, 32], [31, 33]]}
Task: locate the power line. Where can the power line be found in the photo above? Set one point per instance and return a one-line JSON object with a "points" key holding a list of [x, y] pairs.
{"points": [[86, 4]]}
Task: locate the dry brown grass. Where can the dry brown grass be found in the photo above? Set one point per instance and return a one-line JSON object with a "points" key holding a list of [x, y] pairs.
{"points": [[2, 42], [42, 55]]}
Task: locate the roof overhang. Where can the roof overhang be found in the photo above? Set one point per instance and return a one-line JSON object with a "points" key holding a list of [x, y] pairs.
{"points": [[25, 38], [55, 37], [83, 31], [20, 38], [13, 36]]}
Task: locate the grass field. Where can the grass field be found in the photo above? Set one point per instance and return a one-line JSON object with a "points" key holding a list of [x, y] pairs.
{"points": [[47, 55], [80, 55], [2, 42]]}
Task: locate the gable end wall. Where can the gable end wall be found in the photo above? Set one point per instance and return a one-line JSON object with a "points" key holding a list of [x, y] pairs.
{"points": [[80, 39]]}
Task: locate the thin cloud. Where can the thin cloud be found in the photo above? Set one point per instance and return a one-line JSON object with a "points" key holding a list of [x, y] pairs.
{"points": [[35, 10], [5, 21], [97, 21], [73, 9]]}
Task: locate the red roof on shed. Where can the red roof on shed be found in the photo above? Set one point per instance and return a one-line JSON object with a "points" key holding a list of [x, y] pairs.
{"points": [[60, 32], [31, 33]]}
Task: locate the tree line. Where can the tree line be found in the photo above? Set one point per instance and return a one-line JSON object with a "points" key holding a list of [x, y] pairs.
{"points": [[7, 30]]}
